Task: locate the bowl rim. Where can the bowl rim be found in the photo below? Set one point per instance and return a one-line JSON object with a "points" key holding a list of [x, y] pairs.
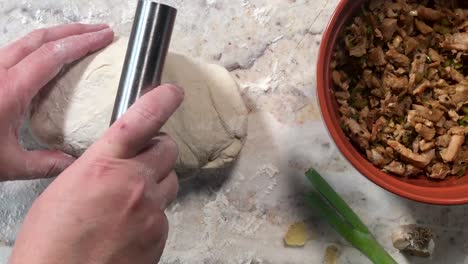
{"points": [[441, 195]]}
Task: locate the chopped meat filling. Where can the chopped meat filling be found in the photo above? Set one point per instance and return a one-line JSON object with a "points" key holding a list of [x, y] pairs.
{"points": [[457, 41], [400, 76]]}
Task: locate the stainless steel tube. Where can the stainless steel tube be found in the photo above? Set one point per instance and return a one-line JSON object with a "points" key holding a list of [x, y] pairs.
{"points": [[146, 53]]}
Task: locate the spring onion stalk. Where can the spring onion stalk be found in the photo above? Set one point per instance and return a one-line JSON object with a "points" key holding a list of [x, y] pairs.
{"points": [[343, 219]]}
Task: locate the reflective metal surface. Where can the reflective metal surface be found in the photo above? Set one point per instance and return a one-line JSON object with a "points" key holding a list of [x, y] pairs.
{"points": [[146, 53]]}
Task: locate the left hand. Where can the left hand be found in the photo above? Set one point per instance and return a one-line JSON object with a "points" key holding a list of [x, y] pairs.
{"points": [[26, 66]]}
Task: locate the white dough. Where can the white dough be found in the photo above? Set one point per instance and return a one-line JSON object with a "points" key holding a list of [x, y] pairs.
{"points": [[209, 127]]}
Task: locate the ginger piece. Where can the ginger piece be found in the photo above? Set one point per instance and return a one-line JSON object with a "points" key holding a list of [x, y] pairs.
{"points": [[297, 235]]}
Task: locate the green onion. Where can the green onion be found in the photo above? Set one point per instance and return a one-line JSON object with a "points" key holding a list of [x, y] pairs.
{"points": [[400, 119], [324, 188], [407, 138], [458, 66], [345, 128], [465, 110], [463, 121], [355, 116], [441, 29], [445, 22], [359, 103], [343, 219], [428, 59], [448, 62]]}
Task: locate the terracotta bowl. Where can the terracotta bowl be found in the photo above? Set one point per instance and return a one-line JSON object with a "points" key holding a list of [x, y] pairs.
{"points": [[450, 191]]}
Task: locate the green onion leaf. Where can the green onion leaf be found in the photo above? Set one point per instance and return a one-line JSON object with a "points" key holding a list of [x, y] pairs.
{"points": [[463, 121], [448, 62], [369, 30], [445, 22], [465, 110], [428, 59], [441, 29], [343, 219], [327, 191]]}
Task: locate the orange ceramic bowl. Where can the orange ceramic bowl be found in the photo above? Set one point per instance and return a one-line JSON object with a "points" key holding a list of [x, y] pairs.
{"points": [[449, 192]]}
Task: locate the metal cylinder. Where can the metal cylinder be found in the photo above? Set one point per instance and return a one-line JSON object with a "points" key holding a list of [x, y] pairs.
{"points": [[146, 53]]}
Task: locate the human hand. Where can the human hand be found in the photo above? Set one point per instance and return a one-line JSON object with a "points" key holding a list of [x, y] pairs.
{"points": [[26, 66], [108, 206]]}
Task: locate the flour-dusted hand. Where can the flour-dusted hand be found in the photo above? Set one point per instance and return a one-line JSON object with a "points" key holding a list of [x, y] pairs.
{"points": [[26, 66], [108, 206]]}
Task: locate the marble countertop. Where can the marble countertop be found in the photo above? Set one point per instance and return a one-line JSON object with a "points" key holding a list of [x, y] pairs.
{"points": [[241, 216]]}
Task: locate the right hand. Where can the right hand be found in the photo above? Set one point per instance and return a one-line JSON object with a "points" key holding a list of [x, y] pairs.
{"points": [[108, 206]]}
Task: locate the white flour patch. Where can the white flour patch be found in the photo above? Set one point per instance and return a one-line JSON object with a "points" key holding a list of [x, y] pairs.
{"points": [[261, 14], [211, 2]]}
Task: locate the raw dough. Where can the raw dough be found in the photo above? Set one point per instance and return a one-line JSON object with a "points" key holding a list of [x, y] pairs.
{"points": [[209, 127]]}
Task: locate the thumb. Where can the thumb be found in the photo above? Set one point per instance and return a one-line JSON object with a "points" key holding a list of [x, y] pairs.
{"points": [[45, 164]]}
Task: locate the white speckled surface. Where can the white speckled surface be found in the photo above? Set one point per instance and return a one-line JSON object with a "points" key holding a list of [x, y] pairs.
{"points": [[271, 47]]}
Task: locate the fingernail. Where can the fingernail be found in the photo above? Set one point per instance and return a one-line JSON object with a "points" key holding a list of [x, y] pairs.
{"points": [[105, 32], [69, 156], [181, 90], [98, 26], [176, 88], [67, 160]]}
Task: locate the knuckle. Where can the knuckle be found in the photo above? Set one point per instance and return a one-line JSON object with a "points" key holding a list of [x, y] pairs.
{"points": [[37, 36], [25, 48], [176, 90], [157, 226], [83, 41], [78, 27], [52, 49], [166, 146], [171, 144], [145, 169], [136, 193], [102, 167], [121, 175], [149, 113], [32, 41], [52, 170], [174, 189]]}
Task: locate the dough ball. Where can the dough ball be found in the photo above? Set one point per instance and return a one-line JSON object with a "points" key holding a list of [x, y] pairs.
{"points": [[209, 127]]}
